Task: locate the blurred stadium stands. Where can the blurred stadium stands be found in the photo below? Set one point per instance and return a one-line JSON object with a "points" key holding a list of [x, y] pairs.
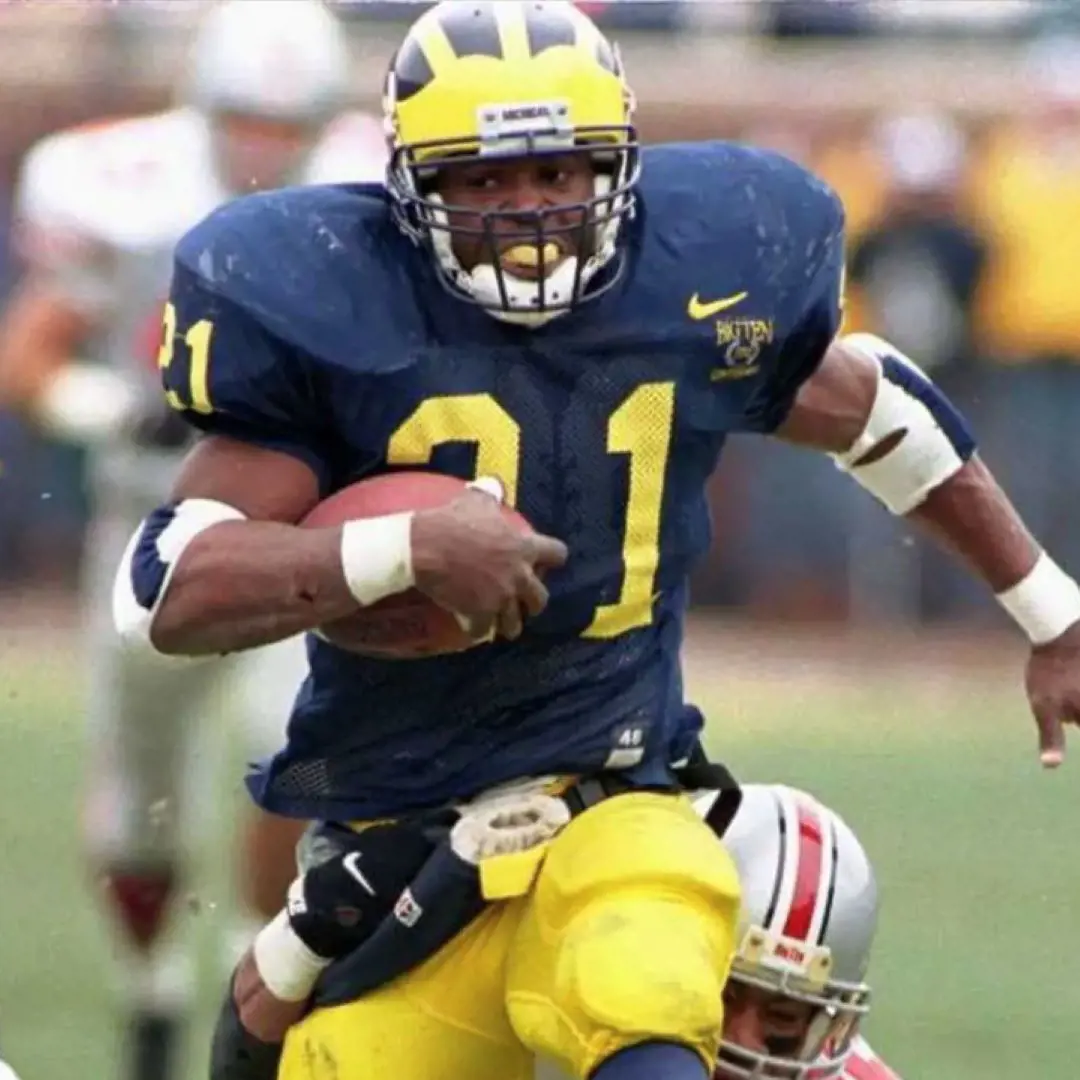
{"points": [[950, 127]]}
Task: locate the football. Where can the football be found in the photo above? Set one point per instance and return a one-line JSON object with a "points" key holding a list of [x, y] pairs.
{"points": [[406, 625]]}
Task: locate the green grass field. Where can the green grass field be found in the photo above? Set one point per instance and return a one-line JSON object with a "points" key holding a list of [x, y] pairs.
{"points": [[977, 853]]}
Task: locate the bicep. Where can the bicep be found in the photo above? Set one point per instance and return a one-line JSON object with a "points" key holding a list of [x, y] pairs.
{"points": [[264, 485], [831, 407]]}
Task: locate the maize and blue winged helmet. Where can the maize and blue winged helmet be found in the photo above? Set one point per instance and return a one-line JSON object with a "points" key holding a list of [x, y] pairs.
{"points": [[504, 80]]}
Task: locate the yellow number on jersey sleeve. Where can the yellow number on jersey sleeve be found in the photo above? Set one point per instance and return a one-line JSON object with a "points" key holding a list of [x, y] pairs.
{"points": [[197, 342]]}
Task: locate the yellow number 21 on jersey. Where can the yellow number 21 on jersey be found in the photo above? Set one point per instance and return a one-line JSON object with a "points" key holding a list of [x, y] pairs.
{"points": [[640, 428], [197, 342]]}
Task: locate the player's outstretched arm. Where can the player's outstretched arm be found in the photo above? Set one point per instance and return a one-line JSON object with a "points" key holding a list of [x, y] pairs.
{"points": [[896, 433]]}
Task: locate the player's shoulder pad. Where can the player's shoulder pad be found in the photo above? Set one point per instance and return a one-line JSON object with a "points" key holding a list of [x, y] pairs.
{"points": [[723, 201], [321, 267]]}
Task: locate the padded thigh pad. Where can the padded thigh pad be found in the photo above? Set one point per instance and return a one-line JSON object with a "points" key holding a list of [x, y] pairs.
{"points": [[628, 936]]}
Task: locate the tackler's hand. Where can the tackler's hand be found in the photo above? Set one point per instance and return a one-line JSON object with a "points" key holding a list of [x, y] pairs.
{"points": [[471, 558], [335, 906], [1053, 689]]}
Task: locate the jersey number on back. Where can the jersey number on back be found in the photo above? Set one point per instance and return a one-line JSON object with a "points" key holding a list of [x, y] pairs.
{"points": [[640, 428], [197, 343]]}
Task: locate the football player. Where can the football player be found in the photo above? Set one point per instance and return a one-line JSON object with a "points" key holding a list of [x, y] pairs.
{"points": [[531, 296], [100, 209], [797, 990]]}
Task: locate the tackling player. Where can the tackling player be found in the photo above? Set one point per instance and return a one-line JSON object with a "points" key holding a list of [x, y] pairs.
{"points": [[794, 1000], [99, 209], [532, 295]]}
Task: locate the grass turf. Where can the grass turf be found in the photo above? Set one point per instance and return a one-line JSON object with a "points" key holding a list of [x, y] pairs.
{"points": [[976, 852]]}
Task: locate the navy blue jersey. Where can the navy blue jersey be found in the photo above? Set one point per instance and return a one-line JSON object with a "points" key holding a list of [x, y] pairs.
{"points": [[309, 324]]}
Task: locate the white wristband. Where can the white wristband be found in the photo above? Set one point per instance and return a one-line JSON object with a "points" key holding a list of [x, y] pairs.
{"points": [[376, 556], [287, 967], [1045, 603]]}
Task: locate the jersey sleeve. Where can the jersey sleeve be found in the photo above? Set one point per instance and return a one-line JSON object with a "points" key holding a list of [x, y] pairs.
{"points": [[808, 308], [52, 236], [228, 375]]}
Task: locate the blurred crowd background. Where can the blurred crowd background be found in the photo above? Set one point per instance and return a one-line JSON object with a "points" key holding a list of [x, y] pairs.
{"points": [[951, 128]]}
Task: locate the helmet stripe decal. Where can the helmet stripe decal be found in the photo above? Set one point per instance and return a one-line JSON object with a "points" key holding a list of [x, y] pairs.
{"points": [[807, 875], [830, 888], [437, 48], [774, 900], [606, 54], [512, 32], [475, 33], [410, 71], [545, 29]]}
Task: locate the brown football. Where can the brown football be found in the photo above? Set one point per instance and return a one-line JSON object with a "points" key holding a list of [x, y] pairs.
{"points": [[409, 624]]}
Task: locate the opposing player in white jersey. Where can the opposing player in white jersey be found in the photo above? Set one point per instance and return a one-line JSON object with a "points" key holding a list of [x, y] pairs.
{"points": [[98, 211], [794, 1000]]}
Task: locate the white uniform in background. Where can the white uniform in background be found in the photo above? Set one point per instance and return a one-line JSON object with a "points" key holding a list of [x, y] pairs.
{"points": [[102, 206], [98, 211]]}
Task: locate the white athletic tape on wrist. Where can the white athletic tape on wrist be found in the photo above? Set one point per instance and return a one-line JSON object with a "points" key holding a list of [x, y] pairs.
{"points": [[1045, 603], [287, 967], [926, 456], [149, 561], [85, 403], [376, 553], [376, 556]]}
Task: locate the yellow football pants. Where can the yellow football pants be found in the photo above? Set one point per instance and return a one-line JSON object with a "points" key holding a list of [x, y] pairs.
{"points": [[627, 935]]}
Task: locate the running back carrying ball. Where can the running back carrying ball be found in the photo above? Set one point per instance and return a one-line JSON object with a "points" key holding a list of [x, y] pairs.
{"points": [[405, 624]]}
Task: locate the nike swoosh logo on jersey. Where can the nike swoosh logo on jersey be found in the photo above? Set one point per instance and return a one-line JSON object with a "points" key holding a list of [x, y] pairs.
{"points": [[699, 309], [351, 862]]}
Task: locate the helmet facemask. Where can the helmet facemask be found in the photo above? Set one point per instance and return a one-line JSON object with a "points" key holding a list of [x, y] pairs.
{"points": [[570, 242], [837, 1009]]}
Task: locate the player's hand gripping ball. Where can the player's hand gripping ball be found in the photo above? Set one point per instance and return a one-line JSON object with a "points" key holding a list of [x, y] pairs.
{"points": [[473, 573]]}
